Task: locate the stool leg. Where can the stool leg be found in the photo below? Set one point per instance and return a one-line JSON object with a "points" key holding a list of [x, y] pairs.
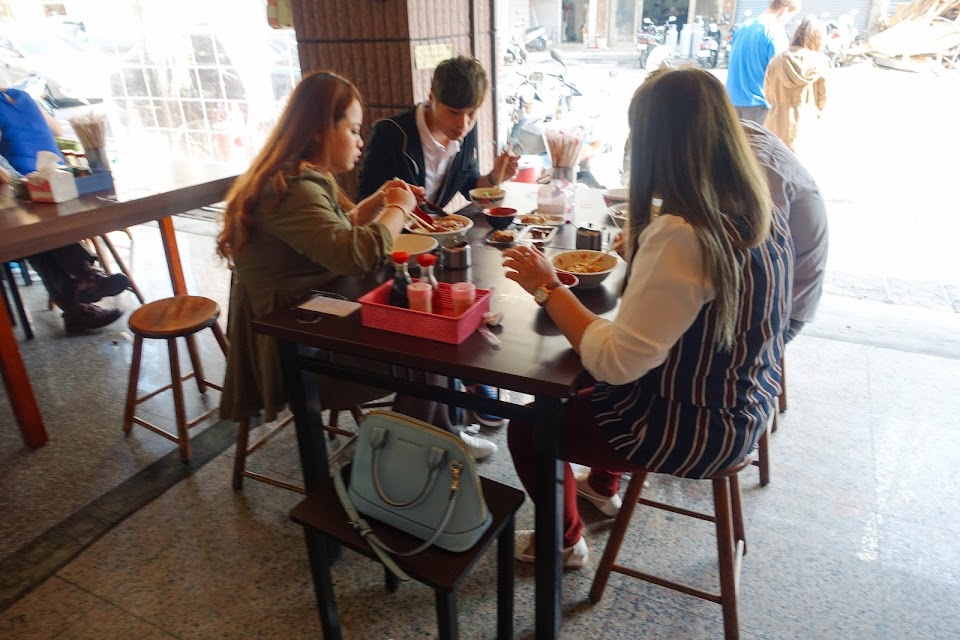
{"points": [[221, 338], [725, 551], [446, 614], [17, 302], [782, 398], [182, 435], [763, 460], [101, 256], [773, 429], [194, 352], [616, 536], [391, 581], [240, 459], [505, 581], [132, 384], [320, 561], [739, 533]]}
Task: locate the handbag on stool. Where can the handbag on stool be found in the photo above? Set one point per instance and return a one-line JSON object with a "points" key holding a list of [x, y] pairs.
{"points": [[418, 479]]}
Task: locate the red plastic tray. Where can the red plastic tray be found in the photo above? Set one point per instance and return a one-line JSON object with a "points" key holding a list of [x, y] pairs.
{"points": [[442, 326]]}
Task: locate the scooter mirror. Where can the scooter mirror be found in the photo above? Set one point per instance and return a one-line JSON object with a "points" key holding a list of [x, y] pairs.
{"points": [[557, 56], [672, 19], [647, 21], [535, 77]]}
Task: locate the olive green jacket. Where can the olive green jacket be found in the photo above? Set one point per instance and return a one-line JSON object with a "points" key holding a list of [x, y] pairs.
{"points": [[298, 244]]}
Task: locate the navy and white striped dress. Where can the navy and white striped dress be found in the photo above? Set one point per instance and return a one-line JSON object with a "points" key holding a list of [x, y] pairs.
{"points": [[704, 409]]}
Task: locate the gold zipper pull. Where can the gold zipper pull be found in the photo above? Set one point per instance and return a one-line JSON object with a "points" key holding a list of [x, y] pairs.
{"points": [[455, 467]]}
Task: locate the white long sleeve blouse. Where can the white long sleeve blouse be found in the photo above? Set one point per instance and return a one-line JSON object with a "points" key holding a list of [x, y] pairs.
{"points": [[668, 286]]}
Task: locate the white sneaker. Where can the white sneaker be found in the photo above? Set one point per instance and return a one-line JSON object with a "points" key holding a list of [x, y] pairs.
{"points": [[574, 557], [479, 447], [608, 505]]}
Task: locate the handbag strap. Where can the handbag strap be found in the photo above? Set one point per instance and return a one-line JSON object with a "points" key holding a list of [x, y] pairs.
{"points": [[381, 548], [435, 458]]}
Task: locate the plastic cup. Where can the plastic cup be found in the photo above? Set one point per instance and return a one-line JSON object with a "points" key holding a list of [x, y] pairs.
{"points": [[463, 295], [420, 295]]}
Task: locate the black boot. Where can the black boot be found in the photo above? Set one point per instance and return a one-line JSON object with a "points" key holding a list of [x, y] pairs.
{"points": [[81, 317]]}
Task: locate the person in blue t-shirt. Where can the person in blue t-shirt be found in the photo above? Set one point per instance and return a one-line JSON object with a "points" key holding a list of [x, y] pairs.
{"points": [[68, 272], [755, 43]]}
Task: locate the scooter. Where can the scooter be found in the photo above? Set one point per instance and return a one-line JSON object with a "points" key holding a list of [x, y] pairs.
{"points": [[708, 52], [651, 43], [842, 34], [541, 98]]}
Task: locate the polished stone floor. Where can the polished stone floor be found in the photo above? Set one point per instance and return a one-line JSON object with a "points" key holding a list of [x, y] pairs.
{"points": [[107, 536]]}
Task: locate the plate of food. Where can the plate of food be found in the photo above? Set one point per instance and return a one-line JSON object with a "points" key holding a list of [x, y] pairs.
{"points": [[502, 237], [546, 219]]}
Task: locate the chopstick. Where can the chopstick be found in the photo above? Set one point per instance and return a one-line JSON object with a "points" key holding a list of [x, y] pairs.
{"points": [[426, 226], [610, 249]]}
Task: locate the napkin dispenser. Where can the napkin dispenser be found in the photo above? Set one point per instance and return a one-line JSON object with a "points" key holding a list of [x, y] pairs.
{"points": [[50, 184]]}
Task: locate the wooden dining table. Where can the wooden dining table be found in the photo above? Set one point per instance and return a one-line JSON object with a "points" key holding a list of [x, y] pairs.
{"points": [[534, 358], [141, 194]]}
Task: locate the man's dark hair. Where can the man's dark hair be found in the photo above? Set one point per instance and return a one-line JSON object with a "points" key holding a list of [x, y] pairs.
{"points": [[459, 83]]}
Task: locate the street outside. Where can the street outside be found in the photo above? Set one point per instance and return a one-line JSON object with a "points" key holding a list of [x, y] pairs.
{"points": [[888, 169]]}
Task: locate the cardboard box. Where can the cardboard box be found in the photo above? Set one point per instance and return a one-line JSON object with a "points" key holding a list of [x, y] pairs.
{"points": [[99, 181], [59, 187]]}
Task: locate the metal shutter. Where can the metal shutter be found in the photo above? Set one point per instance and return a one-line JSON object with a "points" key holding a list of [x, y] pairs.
{"points": [[834, 7]]}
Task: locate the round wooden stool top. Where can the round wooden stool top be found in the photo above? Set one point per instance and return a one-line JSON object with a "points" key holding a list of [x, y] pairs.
{"points": [[174, 317]]}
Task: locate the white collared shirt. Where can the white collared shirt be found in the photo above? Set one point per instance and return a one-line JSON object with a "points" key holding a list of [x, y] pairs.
{"points": [[436, 157]]}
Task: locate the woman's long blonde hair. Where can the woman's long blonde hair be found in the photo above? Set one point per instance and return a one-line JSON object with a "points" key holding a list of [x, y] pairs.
{"points": [[316, 104], [689, 149]]}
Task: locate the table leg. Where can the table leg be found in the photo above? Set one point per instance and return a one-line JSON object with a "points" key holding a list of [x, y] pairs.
{"points": [[548, 521], [505, 582], [305, 403], [172, 251], [320, 561], [15, 379]]}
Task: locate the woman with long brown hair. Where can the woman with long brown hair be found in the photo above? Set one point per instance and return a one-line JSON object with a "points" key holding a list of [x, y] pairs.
{"points": [[289, 229], [687, 372], [796, 87]]}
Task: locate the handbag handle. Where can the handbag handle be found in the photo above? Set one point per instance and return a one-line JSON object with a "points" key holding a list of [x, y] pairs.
{"points": [[435, 458]]}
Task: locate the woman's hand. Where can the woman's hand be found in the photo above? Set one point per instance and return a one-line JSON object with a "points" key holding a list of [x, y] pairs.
{"points": [[529, 268], [397, 183], [400, 196]]}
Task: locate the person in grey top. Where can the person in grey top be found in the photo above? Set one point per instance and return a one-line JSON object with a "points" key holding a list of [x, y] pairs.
{"points": [[795, 192]]}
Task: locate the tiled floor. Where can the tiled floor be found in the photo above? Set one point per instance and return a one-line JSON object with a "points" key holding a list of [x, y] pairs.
{"points": [[858, 535]]}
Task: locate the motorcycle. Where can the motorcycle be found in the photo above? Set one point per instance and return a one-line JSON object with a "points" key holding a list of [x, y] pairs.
{"points": [[708, 52], [651, 43], [542, 98]]}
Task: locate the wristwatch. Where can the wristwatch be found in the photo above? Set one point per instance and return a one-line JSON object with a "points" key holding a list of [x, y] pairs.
{"points": [[542, 294]]}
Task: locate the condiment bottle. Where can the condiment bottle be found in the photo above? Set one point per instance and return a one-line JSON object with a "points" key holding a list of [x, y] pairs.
{"points": [[426, 262], [398, 291]]}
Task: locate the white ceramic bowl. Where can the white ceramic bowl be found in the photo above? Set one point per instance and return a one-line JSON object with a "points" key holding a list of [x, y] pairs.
{"points": [[566, 260], [415, 245], [487, 197], [467, 224], [616, 196]]}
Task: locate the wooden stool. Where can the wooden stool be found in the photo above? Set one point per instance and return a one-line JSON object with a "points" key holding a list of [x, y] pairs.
{"points": [[731, 543], [324, 520], [245, 449], [169, 319]]}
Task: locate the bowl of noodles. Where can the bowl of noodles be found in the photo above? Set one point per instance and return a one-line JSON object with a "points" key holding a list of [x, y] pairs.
{"points": [[586, 265], [445, 227]]}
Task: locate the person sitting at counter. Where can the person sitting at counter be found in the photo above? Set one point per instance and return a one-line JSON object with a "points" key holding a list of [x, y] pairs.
{"points": [[687, 373], [68, 273], [289, 230], [434, 145]]}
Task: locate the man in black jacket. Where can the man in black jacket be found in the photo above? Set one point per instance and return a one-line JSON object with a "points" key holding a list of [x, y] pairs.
{"points": [[434, 145]]}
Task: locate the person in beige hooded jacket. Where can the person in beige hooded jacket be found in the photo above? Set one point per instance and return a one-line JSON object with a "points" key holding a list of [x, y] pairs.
{"points": [[795, 86]]}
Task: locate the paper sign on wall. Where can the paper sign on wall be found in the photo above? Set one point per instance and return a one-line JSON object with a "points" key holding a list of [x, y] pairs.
{"points": [[428, 56]]}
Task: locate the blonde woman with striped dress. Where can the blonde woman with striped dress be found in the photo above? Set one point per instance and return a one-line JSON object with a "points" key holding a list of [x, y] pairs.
{"points": [[687, 372]]}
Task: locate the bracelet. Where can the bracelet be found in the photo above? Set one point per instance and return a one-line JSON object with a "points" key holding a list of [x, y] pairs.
{"points": [[387, 206]]}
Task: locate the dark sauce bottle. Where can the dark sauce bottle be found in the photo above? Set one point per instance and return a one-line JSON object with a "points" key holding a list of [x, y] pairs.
{"points": [[398, 291]]}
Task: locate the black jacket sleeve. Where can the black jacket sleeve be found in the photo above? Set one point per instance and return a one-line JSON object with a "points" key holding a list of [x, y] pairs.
{"points": [[383, 158]]}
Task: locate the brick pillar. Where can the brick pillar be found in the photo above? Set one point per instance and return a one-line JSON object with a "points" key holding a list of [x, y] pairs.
{"points": [[374, 44]]}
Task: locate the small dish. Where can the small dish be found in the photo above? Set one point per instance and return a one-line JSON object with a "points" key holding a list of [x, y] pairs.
{"points": [[547, 219], [498, 237], [537, 234], [499, 217], [568, 279]]}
